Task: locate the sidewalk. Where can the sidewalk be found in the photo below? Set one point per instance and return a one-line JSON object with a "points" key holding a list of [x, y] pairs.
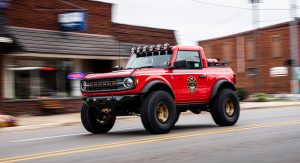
{"points": [[33, 122]]}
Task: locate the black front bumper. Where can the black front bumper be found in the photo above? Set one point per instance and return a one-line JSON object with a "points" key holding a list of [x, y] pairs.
{"points": [[121, 104]]}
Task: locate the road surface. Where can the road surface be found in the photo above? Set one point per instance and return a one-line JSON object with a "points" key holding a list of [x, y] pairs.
{"points": [[261, 135]]}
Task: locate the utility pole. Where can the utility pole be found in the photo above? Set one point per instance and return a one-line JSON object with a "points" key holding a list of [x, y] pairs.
{"points": [[255, 13], [294, 46]]}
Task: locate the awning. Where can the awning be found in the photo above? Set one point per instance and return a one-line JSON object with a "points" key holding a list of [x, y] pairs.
{"points": [[69, 43]]}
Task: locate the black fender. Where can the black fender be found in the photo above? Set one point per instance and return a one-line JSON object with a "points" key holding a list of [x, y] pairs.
{"points": [[221, 84], [157, 85]]}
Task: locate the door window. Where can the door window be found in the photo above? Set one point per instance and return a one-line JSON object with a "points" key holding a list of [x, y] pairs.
{"points": [[192, 59]]}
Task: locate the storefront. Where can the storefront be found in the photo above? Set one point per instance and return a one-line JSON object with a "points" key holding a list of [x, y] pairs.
{"points": [[49, 67]]}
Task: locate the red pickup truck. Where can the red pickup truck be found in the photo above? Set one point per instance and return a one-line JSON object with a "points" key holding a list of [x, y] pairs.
{"points": [[158, 83]]}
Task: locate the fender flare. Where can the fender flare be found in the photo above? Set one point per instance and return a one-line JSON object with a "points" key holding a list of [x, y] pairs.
{"points": [[219, 84], [153, 83]]}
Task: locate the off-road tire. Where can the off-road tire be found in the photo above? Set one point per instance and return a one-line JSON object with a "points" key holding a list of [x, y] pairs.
{"points": [[218, 108], [149, 115], [177, 118], [90, 123]]}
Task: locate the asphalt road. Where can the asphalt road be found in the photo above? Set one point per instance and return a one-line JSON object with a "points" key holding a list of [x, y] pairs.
{"points": [[261, 135]]}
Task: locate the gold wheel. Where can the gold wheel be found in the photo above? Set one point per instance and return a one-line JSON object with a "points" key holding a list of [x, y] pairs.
{"points": [[229, 108], [162, 113]]}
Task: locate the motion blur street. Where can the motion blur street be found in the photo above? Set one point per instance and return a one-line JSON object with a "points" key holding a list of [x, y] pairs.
{"points": [[261, 135]]}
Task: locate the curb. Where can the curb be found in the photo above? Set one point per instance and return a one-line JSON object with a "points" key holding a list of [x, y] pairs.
{"points": [[31, 127], [266, 107]]}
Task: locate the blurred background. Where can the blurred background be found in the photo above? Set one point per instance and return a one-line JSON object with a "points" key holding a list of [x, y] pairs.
{"points": [[47, 46]]}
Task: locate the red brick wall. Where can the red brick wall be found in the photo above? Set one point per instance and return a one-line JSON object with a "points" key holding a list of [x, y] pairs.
{"points": [[143, 35], [264, 62], [26, 13]]}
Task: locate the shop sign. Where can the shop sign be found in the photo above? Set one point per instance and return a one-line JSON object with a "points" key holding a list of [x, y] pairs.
{"points": [[4, 4], [75, 75], [72, 21], [279, 71]]}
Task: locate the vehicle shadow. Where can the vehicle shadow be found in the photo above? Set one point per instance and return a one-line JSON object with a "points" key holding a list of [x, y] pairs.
{"points": [[177, 129]]}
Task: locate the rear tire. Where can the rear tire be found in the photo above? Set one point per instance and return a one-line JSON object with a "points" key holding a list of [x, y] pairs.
{"points": [[177, 118], [94, 122], [158, 112], [225, 108]]}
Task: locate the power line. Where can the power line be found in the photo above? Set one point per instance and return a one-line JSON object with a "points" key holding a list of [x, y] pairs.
{"points": [[228, 19], [234, 7]]}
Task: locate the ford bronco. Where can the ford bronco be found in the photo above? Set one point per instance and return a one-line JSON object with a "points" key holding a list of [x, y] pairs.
{"points": [[158, 83]]}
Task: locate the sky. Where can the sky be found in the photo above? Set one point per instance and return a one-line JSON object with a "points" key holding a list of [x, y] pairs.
{"points": [[196, 20]]}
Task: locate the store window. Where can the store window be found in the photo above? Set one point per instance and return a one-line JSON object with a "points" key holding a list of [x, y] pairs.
{"points": [[41, 79], [227, 51], [250, 51], [276, 46]]}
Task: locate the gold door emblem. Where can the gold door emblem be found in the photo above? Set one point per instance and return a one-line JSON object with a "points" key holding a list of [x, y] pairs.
{"points": [[192, 84]]}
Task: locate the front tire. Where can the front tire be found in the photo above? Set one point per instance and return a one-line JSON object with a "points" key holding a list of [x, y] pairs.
{"points": [[225, 108], [96, 122], [158, 112]]}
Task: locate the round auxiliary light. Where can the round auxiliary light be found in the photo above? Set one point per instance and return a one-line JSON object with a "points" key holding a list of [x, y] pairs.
{"points": [[158, 47], [139, 49], [166, 46], [83, 86], [145, 48], [133, 50], [151, 48], [128, 82]]}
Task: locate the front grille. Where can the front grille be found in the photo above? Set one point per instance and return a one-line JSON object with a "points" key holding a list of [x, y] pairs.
{"points": [[98, 85]]}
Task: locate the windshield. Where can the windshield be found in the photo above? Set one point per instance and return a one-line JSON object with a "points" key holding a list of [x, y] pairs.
{"points": [[157, 60]]}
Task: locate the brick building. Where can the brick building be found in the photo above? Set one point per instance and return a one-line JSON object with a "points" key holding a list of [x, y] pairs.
{"points": [[259, 54], [42, 56]]}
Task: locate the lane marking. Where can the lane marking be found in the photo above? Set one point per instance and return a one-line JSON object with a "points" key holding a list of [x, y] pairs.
{"points": [[141, 141], [66, 135]]}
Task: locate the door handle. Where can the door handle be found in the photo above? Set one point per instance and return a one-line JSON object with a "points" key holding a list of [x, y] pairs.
{"points": [[202, 76]]}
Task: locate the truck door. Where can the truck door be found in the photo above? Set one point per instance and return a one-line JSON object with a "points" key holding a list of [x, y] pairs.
{"points": [[191, 84]]}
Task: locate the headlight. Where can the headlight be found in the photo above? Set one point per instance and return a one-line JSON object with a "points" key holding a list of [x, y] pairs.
{"points": [[83, 86], [128, 82]]}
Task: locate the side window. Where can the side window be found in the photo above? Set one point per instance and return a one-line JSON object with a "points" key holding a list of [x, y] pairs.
{"points": [[192, 59]]}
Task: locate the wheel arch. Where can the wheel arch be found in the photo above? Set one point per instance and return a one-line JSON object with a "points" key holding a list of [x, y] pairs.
{"points": [[220, 85], [157, 85]]}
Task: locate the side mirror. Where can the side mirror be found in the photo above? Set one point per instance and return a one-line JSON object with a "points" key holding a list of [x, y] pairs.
{"points": [[180, 64], [118, 68]]}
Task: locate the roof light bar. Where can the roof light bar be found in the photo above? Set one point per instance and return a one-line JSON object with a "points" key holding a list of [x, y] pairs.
{"points": [[158, 47], [145, 48], [151, 48], [166, 46], [133, 50], [139, 49]]}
